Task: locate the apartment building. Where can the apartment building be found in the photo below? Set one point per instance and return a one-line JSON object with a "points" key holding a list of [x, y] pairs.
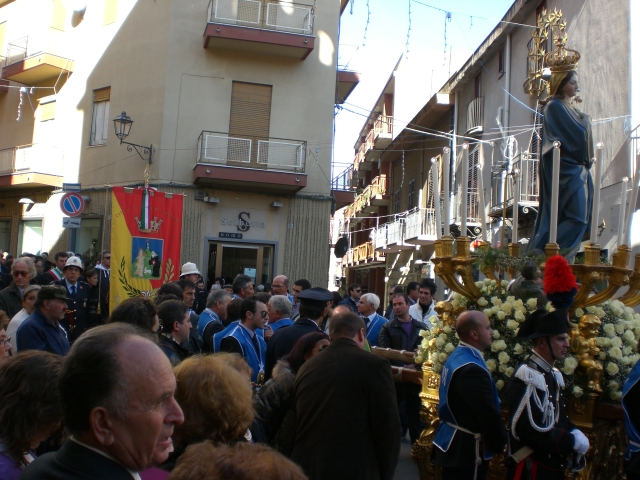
{"points": [[234, 99], [490, 107]]}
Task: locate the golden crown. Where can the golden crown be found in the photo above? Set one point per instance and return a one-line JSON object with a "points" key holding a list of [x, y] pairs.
{"points": [[562, 59]]}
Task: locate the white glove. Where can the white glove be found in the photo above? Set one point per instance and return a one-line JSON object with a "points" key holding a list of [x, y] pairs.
{"points": [[580, 442]]}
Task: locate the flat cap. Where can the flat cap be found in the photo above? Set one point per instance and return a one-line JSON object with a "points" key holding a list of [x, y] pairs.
{"points": [[52, 292], [316, 294]]}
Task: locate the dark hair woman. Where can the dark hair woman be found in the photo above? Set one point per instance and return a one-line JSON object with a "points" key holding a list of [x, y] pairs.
{"points": [[272, 403], [30, 408]]}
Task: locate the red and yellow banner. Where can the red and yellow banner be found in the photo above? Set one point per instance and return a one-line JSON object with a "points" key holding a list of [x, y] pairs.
{"points": [[146, 232]]}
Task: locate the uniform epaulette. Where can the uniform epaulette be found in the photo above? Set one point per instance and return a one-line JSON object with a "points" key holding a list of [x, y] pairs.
{"points": [[531, 377], [559, 378]]}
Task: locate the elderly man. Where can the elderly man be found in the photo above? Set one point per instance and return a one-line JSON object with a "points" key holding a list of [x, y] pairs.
{"points": [[212, 318], [41, 330], [279, 307], [314, 307], [369, 303], [471, 430], [355, 291], [347, 423], [117, 396], [280, 286], [75, 319], [242, 287], [22, 270]]}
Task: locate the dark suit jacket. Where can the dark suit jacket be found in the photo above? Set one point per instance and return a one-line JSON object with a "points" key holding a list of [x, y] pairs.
{"points": [[283, 340], [472, 404], [76, 305], [347, 419], [104, 283], [74, 462], [392, 335]]}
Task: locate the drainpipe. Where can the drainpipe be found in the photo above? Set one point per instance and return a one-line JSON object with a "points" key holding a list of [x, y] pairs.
{"points": [[507, 82], [454, 145]]}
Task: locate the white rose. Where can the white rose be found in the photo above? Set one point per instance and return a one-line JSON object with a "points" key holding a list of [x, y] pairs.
{"points": [[504, 357], [518, 350], [443, 336], [616, 342], [491, 365], [602, 356], [577, 392], [442, 357], [518, 304], [620, 328], [579, 312], [500, 384], [615, 353], [571, 363], [511, 298], [506, 308], [496, 334], [456, 303], [600, 341], [519, 316], [493, 283], [487, 281], [496, 301], [600, 312], [625, 360], [488, 312], [482, 302], [423, 333], [612, 368], [617, 396], [512, 324], [609, 330], [501, 315], [498, 346], [424, 343], [505, 283], [532, 303], [629, 337], [550, 307], [439, 343], [627, 350], [418, 359], [613, 385], [591, 309], [509, 371], [437, 367], [502, 368], [449, 348]]}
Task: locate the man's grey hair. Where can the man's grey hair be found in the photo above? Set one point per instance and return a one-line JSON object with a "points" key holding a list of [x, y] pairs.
{"points": [[28, 261], [282, 303], [216, 296], [372, 299]]}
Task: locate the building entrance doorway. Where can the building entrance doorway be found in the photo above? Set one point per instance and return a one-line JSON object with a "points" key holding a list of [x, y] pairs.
{"points": [[227, 260]]}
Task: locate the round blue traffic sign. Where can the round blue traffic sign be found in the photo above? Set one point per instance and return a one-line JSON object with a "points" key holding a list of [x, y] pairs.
{"points": [[72, 204]]}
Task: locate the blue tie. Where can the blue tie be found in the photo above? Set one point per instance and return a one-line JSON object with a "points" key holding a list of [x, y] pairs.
{"points": [[73, 289]]}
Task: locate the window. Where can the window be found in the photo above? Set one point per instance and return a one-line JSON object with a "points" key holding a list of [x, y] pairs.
{"points": [[250, 115], [100, 120], [472, 185], [88, 240], [412, 195], [396, 201], [501, 61], [30, 236], [477, 86]]}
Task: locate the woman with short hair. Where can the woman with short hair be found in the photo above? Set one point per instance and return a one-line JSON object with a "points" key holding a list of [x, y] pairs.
{"points": [[28, 307]]}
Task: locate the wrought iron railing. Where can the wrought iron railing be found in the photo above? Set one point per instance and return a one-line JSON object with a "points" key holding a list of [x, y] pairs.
{"points": [[252, 152], [362, 201], [36, 157], [344, 180], [263, 14], [48, 41], [395, 232], [420, 223]]}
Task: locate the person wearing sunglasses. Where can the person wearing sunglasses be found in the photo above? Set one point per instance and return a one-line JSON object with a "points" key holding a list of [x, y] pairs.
{"points": [[355, 292], [244, 339], [22, 271]]}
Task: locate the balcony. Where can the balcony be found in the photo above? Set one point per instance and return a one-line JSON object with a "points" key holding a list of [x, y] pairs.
{"points": [[527, 163], [260, 26], [270, 164], [382, 132], [347, 82], [475, 116], [421, 227], [363, 254], [38, 57], [29, 166], [342, 188], [390, 238], [370, 200], [360, 165]]}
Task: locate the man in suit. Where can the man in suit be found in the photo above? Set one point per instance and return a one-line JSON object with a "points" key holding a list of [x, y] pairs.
{"points": [[74, 321], [346, 412], [117, 397], [369, 303], [314, 306], [104, 282], [211, 320], [22, 272], [403, 333], [55, 274], [471, 430], [355, 291]]}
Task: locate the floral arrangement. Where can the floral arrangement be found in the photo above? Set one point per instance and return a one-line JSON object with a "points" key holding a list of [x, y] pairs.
{"points": [[619, 335], [617, 340]]}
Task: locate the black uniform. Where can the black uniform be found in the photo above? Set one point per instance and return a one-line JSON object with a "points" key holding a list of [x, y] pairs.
{"points": [[75, 319]]}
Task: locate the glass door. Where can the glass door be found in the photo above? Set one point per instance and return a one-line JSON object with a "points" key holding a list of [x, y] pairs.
{"points": [[227, 260]]}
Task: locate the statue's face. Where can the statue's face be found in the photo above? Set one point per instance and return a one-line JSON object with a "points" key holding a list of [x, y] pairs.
{"points": [[571, 88]]}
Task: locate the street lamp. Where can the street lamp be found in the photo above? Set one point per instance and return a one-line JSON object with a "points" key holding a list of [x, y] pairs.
{"points": [[122, 126]]}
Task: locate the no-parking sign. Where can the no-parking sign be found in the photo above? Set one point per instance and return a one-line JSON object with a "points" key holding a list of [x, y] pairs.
{"points": [[72, 204]]}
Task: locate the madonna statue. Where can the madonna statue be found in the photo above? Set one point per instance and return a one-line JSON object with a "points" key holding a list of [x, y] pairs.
{"points": [[564, 123]]}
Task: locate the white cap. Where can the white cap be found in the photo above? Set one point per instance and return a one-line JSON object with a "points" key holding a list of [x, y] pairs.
{"points": [[73, 262], [189, 269]]}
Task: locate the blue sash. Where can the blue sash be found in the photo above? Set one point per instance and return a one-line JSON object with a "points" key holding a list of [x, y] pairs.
{"points": [[217, 338], [373, 329], [632, 431], [460, 357], [283, 322], [254, 358], [207, 316]]}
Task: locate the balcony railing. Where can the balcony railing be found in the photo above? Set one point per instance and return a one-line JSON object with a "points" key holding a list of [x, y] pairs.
{"points": [[381, 237], [251, 152], [383, 125], [364, 253], [395, 232], [50, 41], [263, 14], [421, 224], [36, 158], [344, 180], [527, 163], [377, 188], [475, 115]]}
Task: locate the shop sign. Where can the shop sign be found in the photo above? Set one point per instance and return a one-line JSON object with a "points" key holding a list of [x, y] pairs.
{"points": [[243, 223]]}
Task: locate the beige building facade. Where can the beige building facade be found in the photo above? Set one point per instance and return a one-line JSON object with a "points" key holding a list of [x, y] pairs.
{"points": [[234, 99]]}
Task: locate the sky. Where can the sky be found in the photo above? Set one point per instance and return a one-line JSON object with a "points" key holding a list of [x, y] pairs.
{"points": [[379, 32]]}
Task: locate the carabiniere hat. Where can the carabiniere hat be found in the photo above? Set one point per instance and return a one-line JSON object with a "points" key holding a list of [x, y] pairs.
{"points": [[316, 294], [542, 324], [52, 292]]}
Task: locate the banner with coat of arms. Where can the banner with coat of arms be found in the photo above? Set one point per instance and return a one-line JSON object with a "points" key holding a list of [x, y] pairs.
{"points": [[146, 232]]}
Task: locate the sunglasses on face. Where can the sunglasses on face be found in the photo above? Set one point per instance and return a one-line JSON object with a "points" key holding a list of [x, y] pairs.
{"points": [[19, 273], [264, 314], [107, 258]]}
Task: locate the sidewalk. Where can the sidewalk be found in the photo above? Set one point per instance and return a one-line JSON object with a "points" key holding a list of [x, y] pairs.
{"points": [[407, 468]]}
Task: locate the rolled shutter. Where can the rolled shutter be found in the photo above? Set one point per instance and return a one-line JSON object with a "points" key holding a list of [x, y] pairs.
{"points": [[250, 110], [102, 95]]}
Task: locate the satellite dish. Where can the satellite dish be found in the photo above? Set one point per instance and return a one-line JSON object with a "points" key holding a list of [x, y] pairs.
{"points": [[341, 247]]}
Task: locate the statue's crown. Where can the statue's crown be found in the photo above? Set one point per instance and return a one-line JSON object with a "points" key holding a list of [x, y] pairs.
{"points": [[562, 59]]}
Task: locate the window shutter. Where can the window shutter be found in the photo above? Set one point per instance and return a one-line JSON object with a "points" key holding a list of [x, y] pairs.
{"points": [[250, 110], [47, 111], [102, 94]]}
